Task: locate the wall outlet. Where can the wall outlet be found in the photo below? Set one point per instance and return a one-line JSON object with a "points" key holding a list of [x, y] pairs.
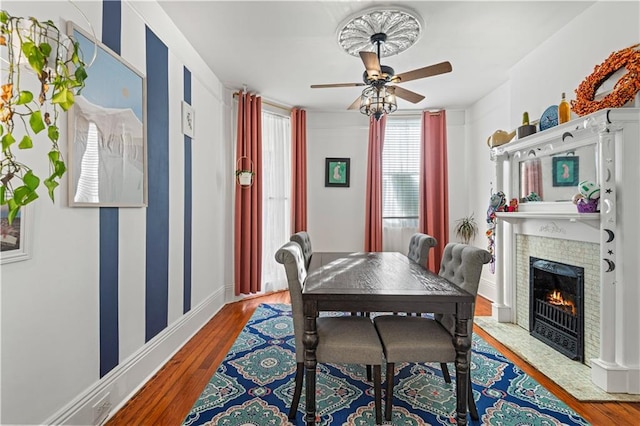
{"points": [[101, 409]]}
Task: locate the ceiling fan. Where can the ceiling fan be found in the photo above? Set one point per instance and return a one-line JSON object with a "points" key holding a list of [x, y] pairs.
{"points": [[380, 77]]}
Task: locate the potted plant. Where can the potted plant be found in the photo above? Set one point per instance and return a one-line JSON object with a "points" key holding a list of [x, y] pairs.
{"points": [[466, 229], [244, 177], [37, 55]]}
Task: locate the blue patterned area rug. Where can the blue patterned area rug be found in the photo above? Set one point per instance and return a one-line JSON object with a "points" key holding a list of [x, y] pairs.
{"points": [[254, 386]]}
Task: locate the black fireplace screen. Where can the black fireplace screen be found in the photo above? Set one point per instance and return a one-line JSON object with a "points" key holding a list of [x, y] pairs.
{"points": [[556, 306]]}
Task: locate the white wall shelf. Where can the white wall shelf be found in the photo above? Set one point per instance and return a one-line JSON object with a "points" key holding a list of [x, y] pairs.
{"points": [[591, 218]]}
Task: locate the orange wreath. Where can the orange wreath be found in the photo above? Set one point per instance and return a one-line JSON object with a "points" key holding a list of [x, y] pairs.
{"points": [[624, 90]]}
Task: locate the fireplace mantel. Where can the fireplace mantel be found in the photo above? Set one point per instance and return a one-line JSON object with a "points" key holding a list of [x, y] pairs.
{"points": [[615, 230], [571, 217]]}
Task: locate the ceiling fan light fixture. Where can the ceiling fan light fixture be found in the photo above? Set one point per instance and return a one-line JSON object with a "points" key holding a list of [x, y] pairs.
{"points": [[378, 101], [373, 34]]}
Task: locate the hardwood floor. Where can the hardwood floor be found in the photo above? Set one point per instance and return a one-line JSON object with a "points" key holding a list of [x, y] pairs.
{"points": [[169, 395]]}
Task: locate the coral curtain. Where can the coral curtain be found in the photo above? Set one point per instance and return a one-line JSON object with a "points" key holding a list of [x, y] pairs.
{"points": [[531, 177], [434, 194], [373, 208], [248, 206], [298, 170]]}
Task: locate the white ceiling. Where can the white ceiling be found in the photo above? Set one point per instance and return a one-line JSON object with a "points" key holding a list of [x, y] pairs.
{"points": [[278, 49]]}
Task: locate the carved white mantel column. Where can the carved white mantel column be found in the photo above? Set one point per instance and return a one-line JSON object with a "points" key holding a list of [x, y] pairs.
{"points": [[499, 310], [606, 371]]}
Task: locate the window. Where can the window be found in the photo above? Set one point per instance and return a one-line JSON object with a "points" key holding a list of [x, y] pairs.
{"points": [[401, 168], [276, 196], [400, 182]]}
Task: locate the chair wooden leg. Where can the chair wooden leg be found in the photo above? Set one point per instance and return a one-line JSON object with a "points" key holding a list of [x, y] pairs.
{"points": [[368, 373], [445, 372], [377, 388], [473, 410], [389, 395], [297, 391]]}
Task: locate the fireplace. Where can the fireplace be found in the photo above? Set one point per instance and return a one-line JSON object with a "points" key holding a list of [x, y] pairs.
{"points": [[556, 306]]}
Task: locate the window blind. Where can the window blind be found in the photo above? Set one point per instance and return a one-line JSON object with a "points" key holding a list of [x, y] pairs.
{"points": [[401, 168]]}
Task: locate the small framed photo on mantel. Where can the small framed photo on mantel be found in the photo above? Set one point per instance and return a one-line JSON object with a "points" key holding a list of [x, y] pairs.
{"points": [[336, 172]]}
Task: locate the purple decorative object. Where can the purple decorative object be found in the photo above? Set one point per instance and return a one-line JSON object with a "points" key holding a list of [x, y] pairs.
{"points": [[587, 205]]}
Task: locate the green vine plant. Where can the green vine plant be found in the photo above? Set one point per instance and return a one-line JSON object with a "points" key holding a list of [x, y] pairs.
{"points": [[34, 48], [466, 229]]}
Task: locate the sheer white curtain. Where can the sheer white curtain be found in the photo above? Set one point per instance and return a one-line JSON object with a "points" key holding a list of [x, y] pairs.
{"points": [[396, 234], [276, 196]]}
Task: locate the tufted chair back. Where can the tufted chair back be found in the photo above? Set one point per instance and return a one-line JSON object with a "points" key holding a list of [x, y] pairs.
{"points": [[304, 241], [419, 247], [462, 265], [290, 255]]}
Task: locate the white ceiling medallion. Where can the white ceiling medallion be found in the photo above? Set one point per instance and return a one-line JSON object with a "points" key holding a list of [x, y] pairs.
{"points": [[401, 26]]}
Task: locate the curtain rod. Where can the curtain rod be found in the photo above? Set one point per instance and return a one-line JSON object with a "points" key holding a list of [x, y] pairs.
{"points": [[236, 94]]}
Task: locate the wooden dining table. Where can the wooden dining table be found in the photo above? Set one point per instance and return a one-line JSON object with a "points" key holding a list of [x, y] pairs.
{"points": [[383, 282]]}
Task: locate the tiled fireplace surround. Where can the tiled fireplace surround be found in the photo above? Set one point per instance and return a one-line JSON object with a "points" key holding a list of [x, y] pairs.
{"points": [[578, 253]]}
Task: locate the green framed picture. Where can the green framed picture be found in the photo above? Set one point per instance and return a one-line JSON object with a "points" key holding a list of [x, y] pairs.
{"points": [[336, 172], [566, 171]]}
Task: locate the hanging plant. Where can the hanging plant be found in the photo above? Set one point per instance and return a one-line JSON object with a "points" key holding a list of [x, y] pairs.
{"points": [[244, 176], [37, 55]]}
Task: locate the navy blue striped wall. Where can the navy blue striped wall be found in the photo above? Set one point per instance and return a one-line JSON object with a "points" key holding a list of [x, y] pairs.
{"points": [[157, 211], [109, 225], [188, 199], [157, 232]]}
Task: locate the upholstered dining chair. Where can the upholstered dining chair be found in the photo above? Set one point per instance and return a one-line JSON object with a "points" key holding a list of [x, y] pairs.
{"points": [[419, 339], [304, 241], [341, 340], [419, 247]]}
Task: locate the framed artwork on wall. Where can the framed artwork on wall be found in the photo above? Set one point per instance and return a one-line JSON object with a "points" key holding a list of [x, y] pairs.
{"points": [[566, 171], [337, 172], [13, 237], [107, 131], [188, 120]]}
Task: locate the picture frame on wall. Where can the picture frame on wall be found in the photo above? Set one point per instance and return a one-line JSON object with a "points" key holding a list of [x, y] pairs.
{"points": [[188, 120], [14, 245], [566, 171], [337, 171], [107, 130]]}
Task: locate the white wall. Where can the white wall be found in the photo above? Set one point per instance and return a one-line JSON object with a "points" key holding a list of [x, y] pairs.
{"points": [[336, 215], [564, 60], [49, 307]]}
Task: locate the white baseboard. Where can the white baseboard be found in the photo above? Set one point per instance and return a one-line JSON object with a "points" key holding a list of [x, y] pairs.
{"points": [[487, 289], [114, 389]]}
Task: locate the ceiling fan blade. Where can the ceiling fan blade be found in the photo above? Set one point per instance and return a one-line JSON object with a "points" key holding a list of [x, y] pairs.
{"points": [[431, 70], [324, 86], [355, 104], [407, 95], [371, 64]]}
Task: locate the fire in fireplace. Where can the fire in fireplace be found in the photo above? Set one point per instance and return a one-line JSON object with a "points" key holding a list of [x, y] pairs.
{"points": [[556, 306]]}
